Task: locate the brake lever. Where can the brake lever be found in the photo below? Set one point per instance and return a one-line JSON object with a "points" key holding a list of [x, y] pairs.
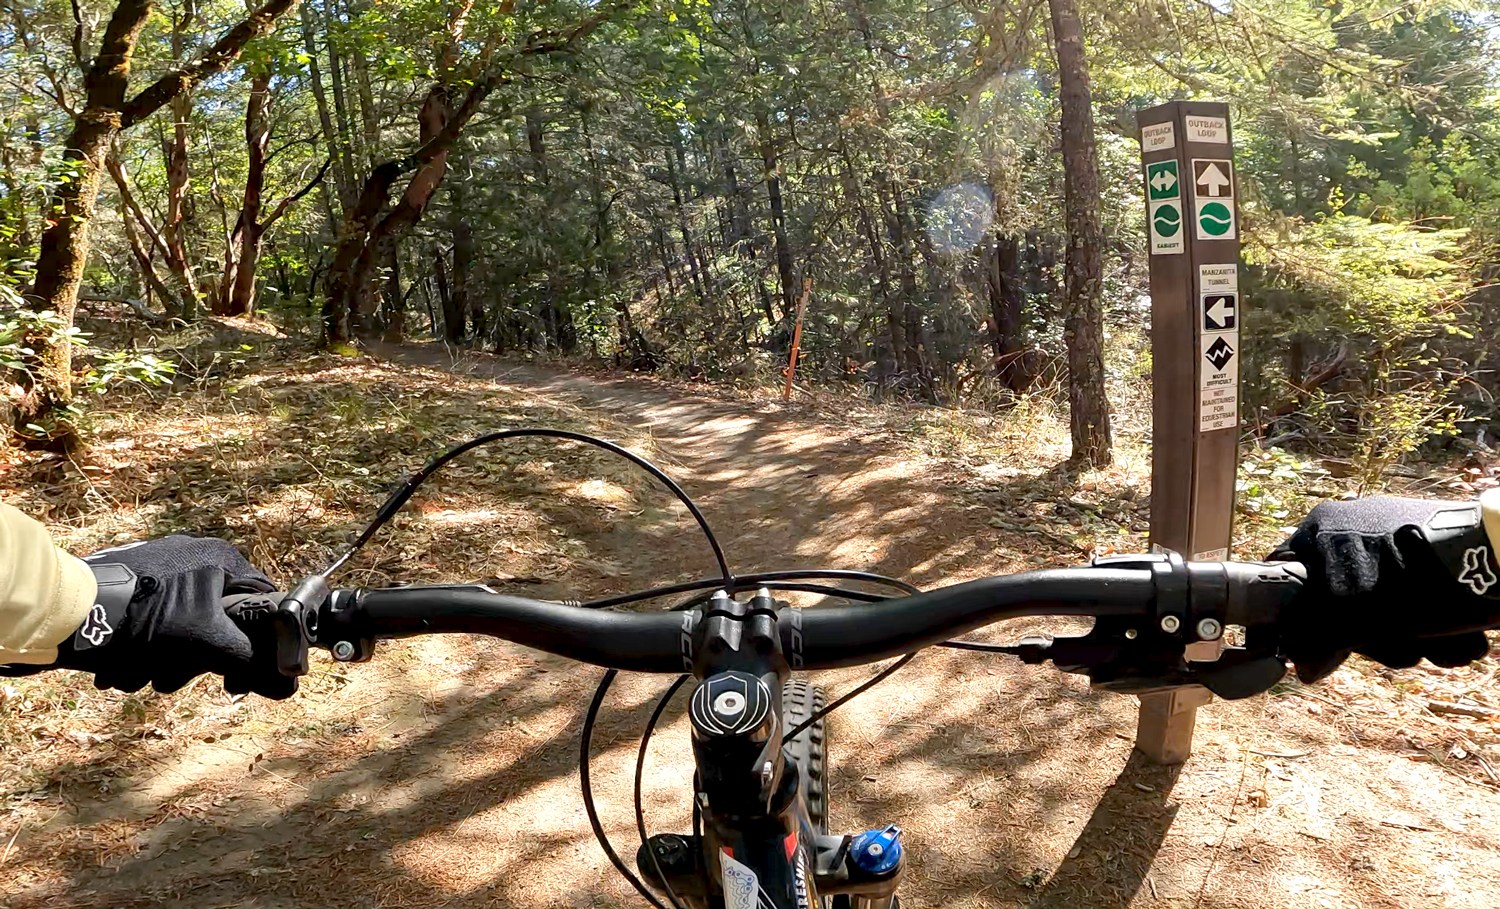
{"points": [[295, 622], [1117, 657]]}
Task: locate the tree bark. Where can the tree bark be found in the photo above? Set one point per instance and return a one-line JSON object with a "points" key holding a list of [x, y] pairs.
{"points": [[1003, 288], [894, 317], [353, 162], [386, 233], [47, 381], [393, 301], [1083, 319], [242, 255], [151, 283], [367, 234], [739, 223], [341, 179], [453, 316], [466, 304], [772, 165], [175, 155]]}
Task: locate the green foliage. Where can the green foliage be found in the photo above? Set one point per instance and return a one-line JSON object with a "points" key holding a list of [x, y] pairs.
{"points": [[123, 367], [24, 331], [615, 197], [1386, 297]]}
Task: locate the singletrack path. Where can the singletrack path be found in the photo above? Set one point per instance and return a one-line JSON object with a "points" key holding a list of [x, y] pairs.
{"points": [[1016, 785]]}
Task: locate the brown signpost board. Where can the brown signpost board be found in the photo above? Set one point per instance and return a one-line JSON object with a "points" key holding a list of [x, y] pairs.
{"points": [[1193, 242]]}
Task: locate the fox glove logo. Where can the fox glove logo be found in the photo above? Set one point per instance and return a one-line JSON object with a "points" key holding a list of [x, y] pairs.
{"points": [[96, 629], [1477, 573]]}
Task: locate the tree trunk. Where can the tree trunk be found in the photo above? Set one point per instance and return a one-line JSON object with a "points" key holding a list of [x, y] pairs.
{"points": [[353, 163], [175, 155], [685, 228], [1083, 319], [393, 308], [778, 214], [150, 282], [341, 178], [453, 316], [894, 316], [354, 238], [466, 303], [740, 222], [242, 256], [386, 234], [47, 380], [369, 125], [243, 251], [1007, 320]]}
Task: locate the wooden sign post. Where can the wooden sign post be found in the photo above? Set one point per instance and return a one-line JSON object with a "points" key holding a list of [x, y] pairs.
{"points": [[1193, 228]]}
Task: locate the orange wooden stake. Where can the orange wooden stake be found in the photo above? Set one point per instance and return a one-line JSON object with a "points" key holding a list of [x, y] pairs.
{"points": [[791, 365]]}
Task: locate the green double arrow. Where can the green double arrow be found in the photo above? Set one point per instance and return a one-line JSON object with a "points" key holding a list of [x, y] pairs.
{"points": [[1161, 181]]}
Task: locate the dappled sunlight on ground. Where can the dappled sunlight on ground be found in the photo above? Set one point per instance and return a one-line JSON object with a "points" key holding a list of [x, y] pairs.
{"points": [[443, 773]]}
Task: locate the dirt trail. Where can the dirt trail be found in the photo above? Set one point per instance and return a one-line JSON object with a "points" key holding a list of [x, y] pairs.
{"points": [[1016, 785]]}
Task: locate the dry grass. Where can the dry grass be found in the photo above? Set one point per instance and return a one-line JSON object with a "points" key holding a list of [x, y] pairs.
{"points": [[409, 777], [286, 453]]}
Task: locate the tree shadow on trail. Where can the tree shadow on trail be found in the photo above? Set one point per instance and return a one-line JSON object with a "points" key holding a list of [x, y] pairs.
{"points": [[1112, 856]]}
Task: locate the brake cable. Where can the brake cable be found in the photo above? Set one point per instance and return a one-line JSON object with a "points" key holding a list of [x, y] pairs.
{"points": [[404, 492], [640, 768], [776, 580]]}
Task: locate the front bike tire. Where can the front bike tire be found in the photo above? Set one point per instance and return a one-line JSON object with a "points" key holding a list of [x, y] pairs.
{"points": [[800, 699]]}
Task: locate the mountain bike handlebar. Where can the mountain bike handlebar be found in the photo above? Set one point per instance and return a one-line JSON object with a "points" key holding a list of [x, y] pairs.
{"points": [[1154, 604]]}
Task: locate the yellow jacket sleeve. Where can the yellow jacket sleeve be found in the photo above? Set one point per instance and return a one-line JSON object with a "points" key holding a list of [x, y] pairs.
{"points": [[1489, 504], [45, 593]]}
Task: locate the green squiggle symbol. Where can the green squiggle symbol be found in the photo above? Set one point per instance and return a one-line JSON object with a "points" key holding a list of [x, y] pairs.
{"points": [[1167, 221], [1215, 219]]}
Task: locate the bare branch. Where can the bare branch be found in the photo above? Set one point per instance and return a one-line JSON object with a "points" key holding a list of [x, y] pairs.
{"points": [[289, 201], [78, 52], [214, 60], [117, 171]]}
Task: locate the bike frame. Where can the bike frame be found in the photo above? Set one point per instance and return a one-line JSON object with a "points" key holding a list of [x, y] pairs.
{"points": [[754, 846]]}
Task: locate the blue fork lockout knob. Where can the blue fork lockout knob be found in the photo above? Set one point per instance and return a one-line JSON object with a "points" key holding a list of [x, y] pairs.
{"points": [[877, 851]]}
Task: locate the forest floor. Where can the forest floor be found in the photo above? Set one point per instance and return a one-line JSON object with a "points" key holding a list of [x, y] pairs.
{"points": [[443, 773]]}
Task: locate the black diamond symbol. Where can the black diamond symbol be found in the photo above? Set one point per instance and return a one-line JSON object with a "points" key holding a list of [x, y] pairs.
{"points": [[1219, 353]]}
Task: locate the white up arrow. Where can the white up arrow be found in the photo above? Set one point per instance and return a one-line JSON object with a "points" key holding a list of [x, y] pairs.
{"points": [[1163, 181], [1213, 180]]}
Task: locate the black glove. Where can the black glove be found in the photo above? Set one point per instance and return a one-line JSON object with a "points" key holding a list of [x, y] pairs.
{"points": [[1397, 580], [173, 628]]}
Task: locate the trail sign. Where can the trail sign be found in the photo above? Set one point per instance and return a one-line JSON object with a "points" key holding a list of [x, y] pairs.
{"points": [[1207, 129], [1161, 181], [1218, 350], [1159, 137], [1218, 311], [1196, 310], [1213, 198], [1164, 198], [1213, 178]]}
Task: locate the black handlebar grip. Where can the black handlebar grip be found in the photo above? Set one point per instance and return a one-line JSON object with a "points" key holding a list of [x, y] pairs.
{"points": [[1262, 593]]}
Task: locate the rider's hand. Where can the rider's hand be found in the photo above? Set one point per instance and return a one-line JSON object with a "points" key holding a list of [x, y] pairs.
{"points": [[174, 627], [1397, 580]]}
